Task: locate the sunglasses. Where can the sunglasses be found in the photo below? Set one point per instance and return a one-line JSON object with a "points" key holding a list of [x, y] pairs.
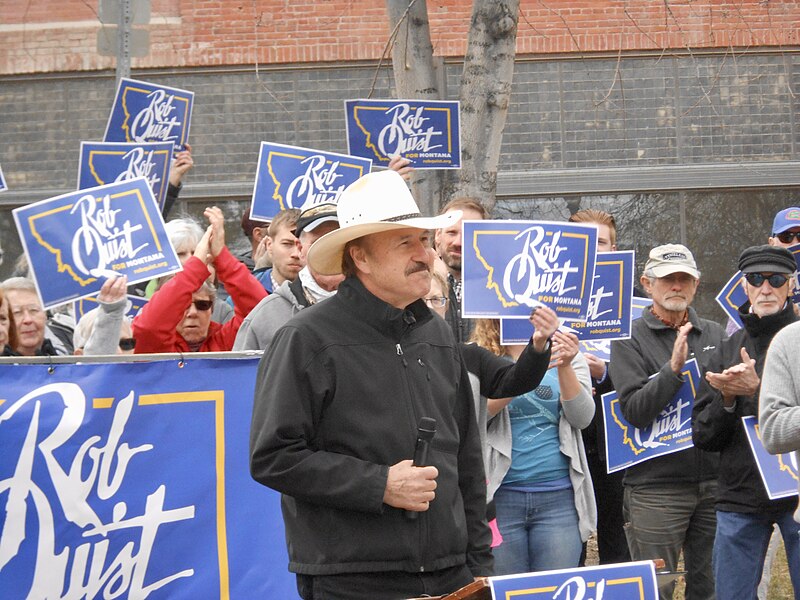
{"points": [[203, 305], [127, 343], [776, 280], [787, 236]]}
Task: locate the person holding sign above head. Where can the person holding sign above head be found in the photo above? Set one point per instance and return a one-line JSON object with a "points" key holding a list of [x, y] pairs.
{"points": [[745, 514], [178, 316], [348, 395], [668, 500]]}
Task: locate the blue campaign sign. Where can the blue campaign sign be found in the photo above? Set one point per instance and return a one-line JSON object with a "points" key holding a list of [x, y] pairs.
{"points": [[510, 267], [132, 307], [795, 250], [146, 112], [427, 132], [293, 177], [624, 581], [779, 473], [609, 315], [131, 480], [671, 431], [75, 240], [111, 162], [3, 186], [732, 296]]}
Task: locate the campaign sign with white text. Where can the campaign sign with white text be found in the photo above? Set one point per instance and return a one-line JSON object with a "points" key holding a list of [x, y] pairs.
{"points": [[779, 472], [427, 132], [147, 112], [76, 240], [609, 315], [132, 306], [131, 480], [3, 186], [112, 162], [671, 431], [510, 267], [795, 250], [292, 177], [602, 348], [732, 296], [623, 581]]}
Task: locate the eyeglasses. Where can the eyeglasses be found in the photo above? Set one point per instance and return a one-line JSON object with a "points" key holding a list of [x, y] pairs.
{"points": [[203, 305], [436, 301], [127, 343], [786, 237], [776, 280]]}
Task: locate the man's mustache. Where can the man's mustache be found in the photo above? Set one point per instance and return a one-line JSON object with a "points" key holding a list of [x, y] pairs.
{"points": [[416, 267]]}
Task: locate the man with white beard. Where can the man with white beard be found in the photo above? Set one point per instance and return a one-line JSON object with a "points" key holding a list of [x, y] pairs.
{"points": [[668, 501]]}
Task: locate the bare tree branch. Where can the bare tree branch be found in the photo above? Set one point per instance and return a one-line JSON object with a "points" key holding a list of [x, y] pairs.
{"points": [[388, 45]]}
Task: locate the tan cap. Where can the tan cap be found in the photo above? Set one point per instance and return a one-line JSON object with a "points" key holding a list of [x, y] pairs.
{"points": [[671, 258]]}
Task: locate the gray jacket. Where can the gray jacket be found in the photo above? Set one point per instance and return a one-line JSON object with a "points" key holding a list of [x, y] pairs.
{"points": [[575, 415], [266, 318]]}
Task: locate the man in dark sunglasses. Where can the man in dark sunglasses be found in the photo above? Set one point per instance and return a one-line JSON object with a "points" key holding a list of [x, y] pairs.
{"points": [[745, 514], [786, 228]]}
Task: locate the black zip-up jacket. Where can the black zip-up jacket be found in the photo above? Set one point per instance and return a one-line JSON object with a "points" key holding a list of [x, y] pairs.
{"points": [[739, 488], [338, 398], [632, 363]]}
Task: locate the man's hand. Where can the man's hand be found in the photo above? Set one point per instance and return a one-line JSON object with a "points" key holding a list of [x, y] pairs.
{"points": [[113, 290], [181, 164], [400, 164], [545, 323], [739, 380], [410, 487], [217, 220], [597, 366], [680, 349], [261, 258]]}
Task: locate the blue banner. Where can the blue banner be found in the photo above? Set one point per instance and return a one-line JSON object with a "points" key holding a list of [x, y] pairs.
{"points": [[3, 186], [74, 241], [671, 431], [292, 177], [427, 132], [624, 581], [609, 315], [732, 296], [510, 267], [146, 112], [84, 305], [109, 162], [131, 480], [779, 472]]}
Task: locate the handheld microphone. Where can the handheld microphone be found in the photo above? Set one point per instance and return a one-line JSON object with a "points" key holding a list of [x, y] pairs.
{"points": [[426, 429]]}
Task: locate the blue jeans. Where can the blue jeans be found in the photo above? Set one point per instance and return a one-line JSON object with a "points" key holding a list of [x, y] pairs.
{"points": [[740, 547], [539, 529], [664, 519]]}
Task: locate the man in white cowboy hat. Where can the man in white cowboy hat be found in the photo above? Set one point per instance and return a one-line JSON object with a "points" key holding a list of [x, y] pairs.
{"points": [[338, 402], [668, 501]]}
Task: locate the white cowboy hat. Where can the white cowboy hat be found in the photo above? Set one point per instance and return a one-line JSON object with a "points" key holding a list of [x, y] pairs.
{"points": [[376, 202]]}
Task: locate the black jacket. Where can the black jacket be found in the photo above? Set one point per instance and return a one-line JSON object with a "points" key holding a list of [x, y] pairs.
{"points": [[632, 363], [338, 398], [740, 488]]}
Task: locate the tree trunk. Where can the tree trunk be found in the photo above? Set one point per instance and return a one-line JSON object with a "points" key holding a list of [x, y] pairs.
{"points": [[484, 96], [416, 77]]}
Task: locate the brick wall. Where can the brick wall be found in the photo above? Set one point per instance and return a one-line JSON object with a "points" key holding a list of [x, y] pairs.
{"points": [[60, 35]]}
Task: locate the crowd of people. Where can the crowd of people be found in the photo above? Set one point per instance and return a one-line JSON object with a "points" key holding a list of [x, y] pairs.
{"points": [[357, 309]]}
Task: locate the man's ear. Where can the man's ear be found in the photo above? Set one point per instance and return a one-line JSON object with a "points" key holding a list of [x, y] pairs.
{"points": [[259, 233], [359, 256], [645, 281]]}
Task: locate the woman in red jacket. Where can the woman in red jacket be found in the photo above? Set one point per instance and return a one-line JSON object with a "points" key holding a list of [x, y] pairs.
{"points": [[178, 316]]}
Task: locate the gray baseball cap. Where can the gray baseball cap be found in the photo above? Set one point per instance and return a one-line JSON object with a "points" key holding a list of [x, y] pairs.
{"points": [[671, 258]]}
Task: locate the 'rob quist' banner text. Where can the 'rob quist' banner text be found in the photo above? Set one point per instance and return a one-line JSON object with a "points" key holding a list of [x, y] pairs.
{"points": [[76, 240], [146, 112], [110, 162], [427, 132], [293, 177], [131, 481], [670, 431], [511, 267]]}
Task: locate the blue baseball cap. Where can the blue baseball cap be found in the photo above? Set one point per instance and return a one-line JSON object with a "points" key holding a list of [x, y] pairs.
{"points": [[786, 219]]}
